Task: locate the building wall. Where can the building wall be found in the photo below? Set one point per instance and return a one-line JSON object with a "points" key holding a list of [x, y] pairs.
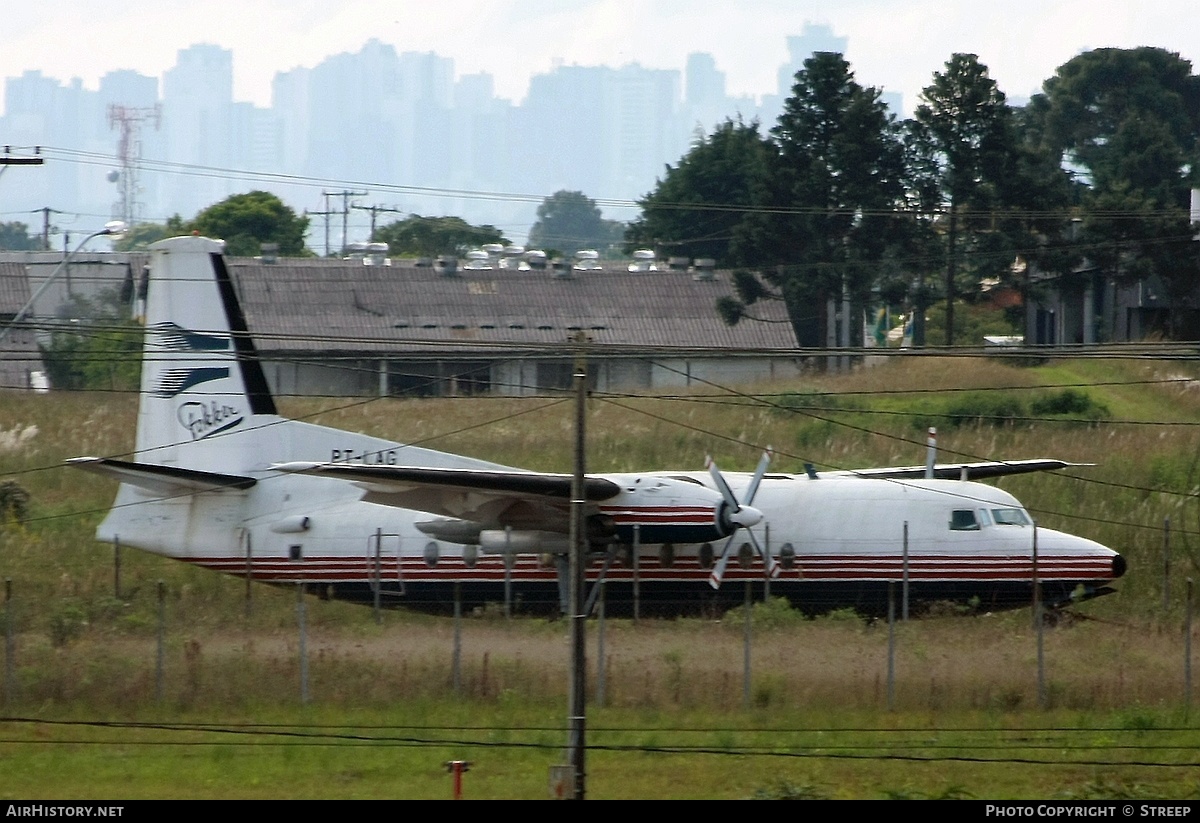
{"points": [[519, 378]]}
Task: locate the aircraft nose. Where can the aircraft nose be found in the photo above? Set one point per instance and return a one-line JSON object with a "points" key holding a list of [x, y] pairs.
{"points": [[1118, 566], [746, 516]]}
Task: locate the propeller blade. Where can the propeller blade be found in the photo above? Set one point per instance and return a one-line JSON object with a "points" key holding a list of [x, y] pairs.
{"points": [[722, 486], [761, 470], [769, 563], [718, 571]]}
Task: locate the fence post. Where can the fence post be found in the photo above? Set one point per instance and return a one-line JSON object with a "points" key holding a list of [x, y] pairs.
{"points": [[1187, 652], [1166, 581], [161, 650], [891, 663], [456, 663], [746, 647], [9, 646], [302, 625], [117, 566]]}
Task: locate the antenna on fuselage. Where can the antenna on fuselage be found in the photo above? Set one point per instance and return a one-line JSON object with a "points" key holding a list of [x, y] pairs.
{"points": [[930, 453]]}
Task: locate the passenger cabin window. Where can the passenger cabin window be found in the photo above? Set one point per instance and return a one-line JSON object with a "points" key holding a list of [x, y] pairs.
{"points": [[963, 520]]}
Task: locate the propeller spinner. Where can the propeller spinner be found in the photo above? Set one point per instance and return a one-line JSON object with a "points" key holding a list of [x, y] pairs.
{"points": [[741, 516]]}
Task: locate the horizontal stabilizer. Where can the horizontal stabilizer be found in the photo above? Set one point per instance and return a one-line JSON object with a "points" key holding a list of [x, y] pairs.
{"points": [[163, 480], [960, 471]]}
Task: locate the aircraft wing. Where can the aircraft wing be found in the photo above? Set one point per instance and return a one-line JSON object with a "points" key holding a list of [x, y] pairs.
{"points": [[528, 499], [957, 471], [168, 481]]}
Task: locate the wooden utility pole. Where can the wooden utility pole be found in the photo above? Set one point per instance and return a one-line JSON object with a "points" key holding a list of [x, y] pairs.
{"points": [[345, 212], [577, 710], [374, 210]]}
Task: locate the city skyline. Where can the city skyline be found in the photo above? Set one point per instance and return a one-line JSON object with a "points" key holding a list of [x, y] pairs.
{"points": [[407, 121], [606, 128], [895, 44]]}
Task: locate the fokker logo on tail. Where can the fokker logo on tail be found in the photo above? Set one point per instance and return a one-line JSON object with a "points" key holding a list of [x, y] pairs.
{"points": [[176, 338]]}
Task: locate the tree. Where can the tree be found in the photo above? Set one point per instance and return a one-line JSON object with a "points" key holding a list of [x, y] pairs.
{"points": [[697, 205], [141, 235], [1129, 119], [101, 351], [246, 221], [15, 236], [824, 201], [568, 221], [964, 130], [432, 236]]}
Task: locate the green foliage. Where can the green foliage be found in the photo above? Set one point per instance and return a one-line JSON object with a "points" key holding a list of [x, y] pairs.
{"points": [[687, 213], [1105, 787], [141, 235], [785, 790], [568, 221], [67, 622], [419, 236], [103, 349], [990, 408], [14, 503], [815, 401], [246, 221], [775, 613], [824, 226], [1068, 403], [15, 236], [1131, 119]]}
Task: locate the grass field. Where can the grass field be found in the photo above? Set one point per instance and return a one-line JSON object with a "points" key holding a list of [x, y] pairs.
{"points": [[88, 716]]}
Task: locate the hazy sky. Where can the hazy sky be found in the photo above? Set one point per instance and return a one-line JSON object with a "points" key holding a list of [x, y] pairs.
{"points": [[896, 44]]}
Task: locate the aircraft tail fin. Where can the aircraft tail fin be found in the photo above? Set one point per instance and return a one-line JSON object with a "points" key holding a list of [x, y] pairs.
{"points": [[201, 377]]}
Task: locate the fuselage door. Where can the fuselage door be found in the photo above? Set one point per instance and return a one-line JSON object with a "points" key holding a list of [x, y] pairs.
{"points": [[384, 573]]}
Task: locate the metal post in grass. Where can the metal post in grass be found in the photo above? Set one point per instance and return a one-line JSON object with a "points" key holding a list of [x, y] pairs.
{"points": [[9, 645], [117, 566], [249, 573], [1187, 650], [904, 576], [1166, 581], [746, 634], [637, 591], [456, 663], [160, 650], [1039, 625], [601, 680], [891, 664], [766, 562], [302, 627], [378, 582], [508, 564]]}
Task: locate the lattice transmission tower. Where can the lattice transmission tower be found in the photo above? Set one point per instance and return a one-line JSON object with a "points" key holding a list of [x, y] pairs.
{"points": [[128, 121]]}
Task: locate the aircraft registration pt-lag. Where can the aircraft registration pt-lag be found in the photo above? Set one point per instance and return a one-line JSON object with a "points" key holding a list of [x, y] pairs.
{"points": [[221, 480]]}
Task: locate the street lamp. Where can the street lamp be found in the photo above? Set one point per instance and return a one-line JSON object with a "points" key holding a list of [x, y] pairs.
{"points": [[112, 228]]}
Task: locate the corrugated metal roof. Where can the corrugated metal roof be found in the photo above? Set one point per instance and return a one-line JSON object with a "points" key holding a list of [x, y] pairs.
{"points": [[14, 288], [410, 309]]}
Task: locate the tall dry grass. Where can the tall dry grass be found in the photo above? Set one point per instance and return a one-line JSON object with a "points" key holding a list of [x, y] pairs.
{"points": [[1145, 452], [954, 665]]}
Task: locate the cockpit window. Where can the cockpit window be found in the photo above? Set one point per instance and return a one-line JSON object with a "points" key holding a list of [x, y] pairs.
{"points": [[963, 520], [1010, 517]]}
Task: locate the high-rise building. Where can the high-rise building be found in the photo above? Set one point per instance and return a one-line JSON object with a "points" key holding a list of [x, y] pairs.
{"points": [[814, 37], [196, 120]]}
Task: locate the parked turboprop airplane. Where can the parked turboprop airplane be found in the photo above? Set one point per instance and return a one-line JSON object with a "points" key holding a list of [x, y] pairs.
{"points": [[221, 480]]}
